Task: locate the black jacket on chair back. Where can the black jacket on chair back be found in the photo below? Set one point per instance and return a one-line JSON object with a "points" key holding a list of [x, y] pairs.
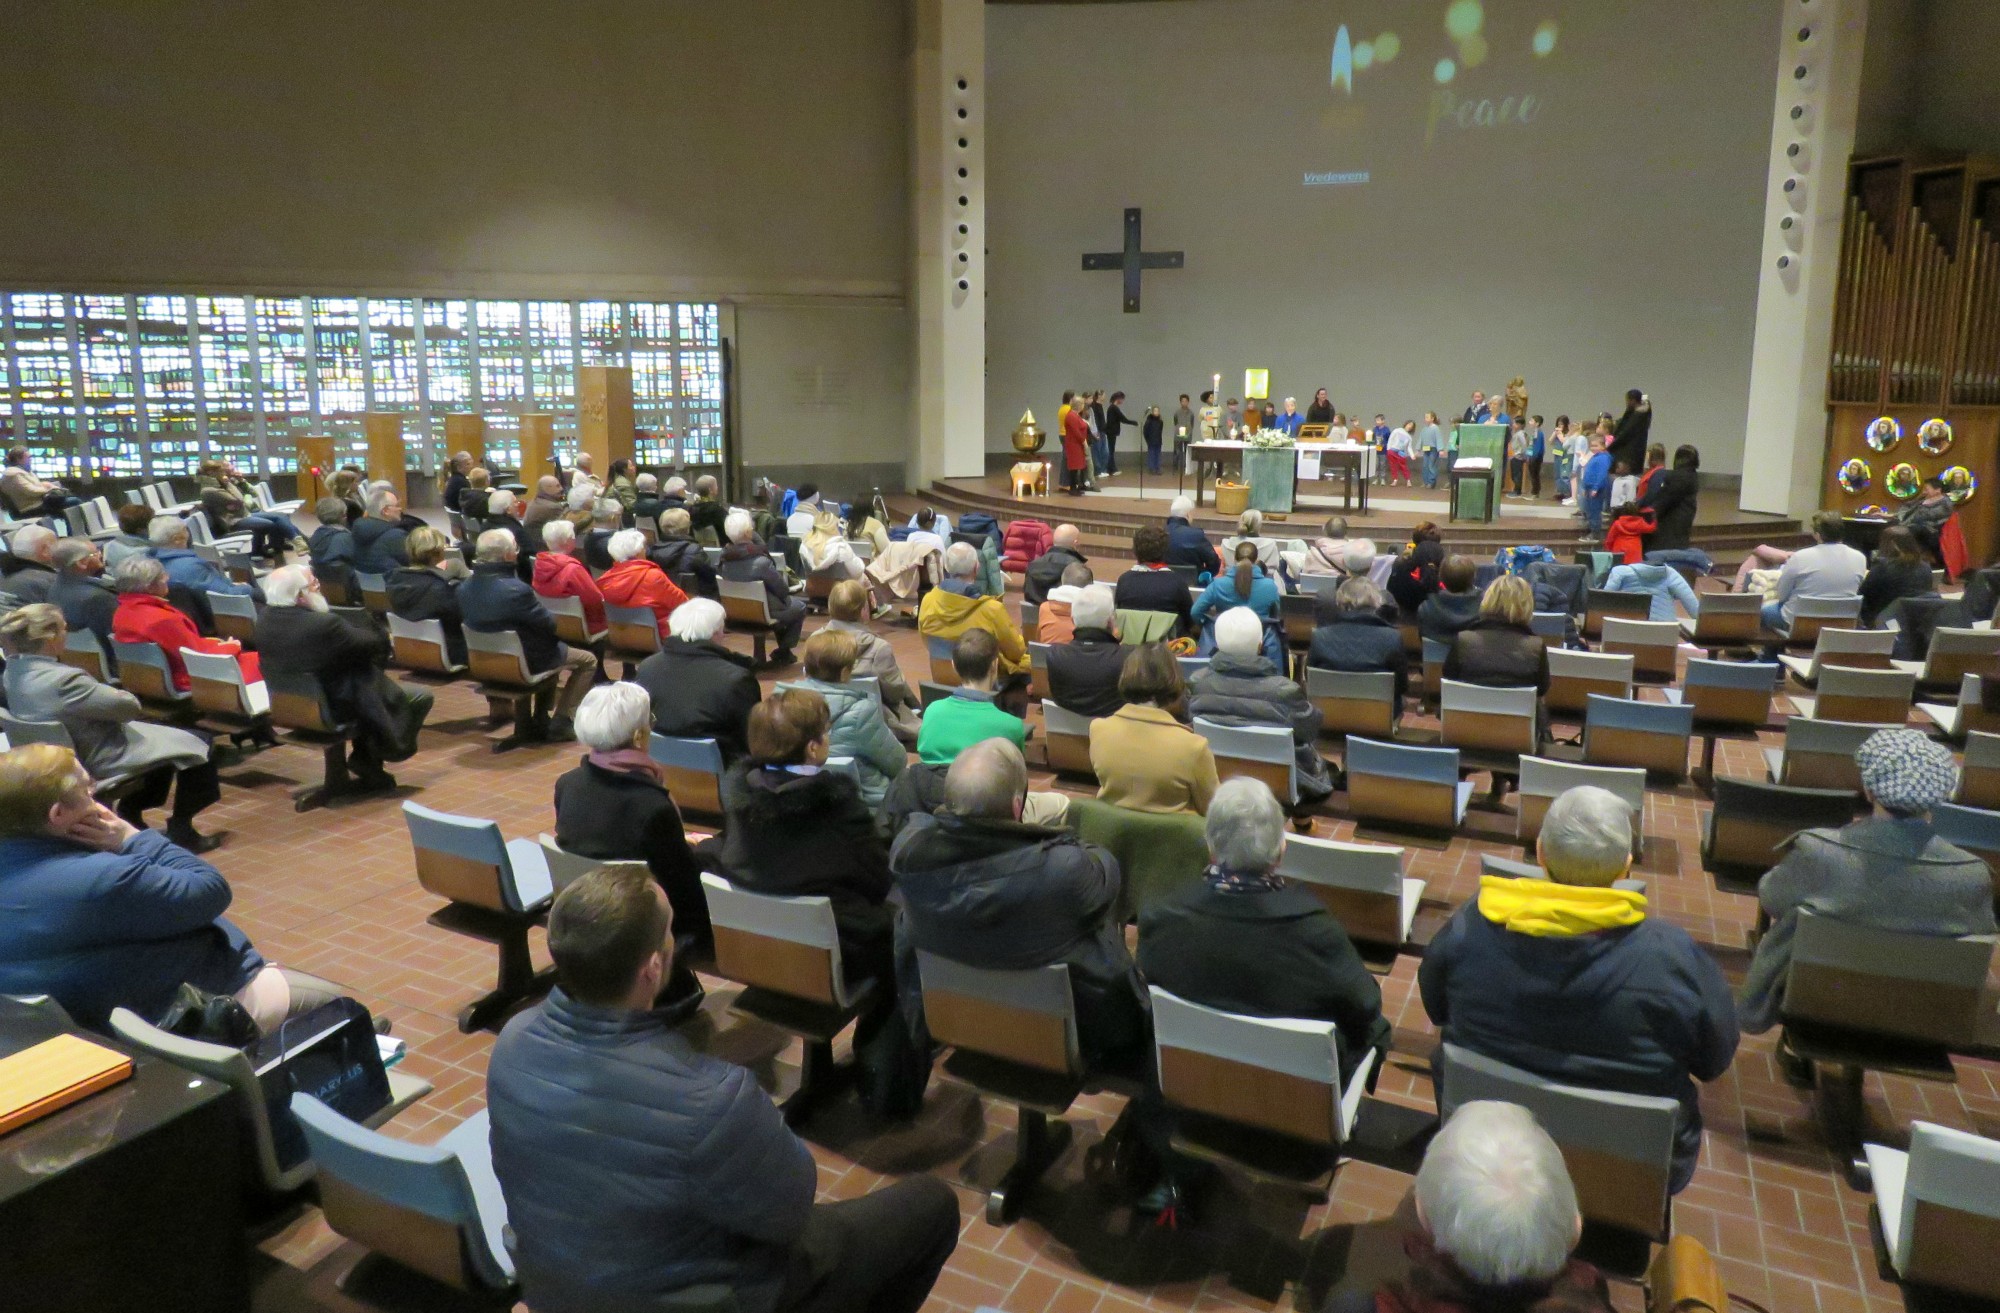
{"points": [[1499, 655], [419, 593], [615, 816]]}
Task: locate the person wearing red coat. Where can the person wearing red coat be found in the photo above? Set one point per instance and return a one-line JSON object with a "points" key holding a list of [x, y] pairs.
{"points": [[635, 581], [144, 615], [1076, 450], [560, 572]]}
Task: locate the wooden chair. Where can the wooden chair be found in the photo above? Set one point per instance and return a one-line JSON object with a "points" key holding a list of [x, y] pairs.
{"points": [[1872, 697], [336, 591], [1298, 613], [1031, 620], [1543, 781], [1436, 652], [566, 868], [1812, 614], [143, 671], [420, 646], [494, 889], [1857, 649], [1492, 728], [374, 590], [225, 699], [942, 670], [1726, 621], [1937, 1209], [786, 954], [1190, 666], [1654, 646], [1970, 714], [572, 625], [435, 1209], [512, 691], [631, 634], [1979, 776], [1818, 754], [235, 617], [1602, 603], [1068, 741], [1259, 752], [1038, 669], [1396, 784], [82, 651], [1355, 702], [1730, 700], [1954, 654], [1012, 1035], [693, 770], [1619, 1148], [299, 706], [280, 1164], [1653, 736], [1575, 676], [1363, 885], [1263, 1094], [1858, 999], [1751, 820], [748, 607]]}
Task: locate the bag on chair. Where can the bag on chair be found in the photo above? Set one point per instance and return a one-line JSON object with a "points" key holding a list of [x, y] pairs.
{"points": [[1684, 1279]]}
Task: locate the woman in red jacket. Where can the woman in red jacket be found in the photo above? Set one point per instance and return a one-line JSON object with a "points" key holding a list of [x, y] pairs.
{"points": [[1076, 450], [635, 581], [144, 615]]}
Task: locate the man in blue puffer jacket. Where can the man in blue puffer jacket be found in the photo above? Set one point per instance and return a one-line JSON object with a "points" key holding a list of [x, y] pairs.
{"points": [[634, 1166]]}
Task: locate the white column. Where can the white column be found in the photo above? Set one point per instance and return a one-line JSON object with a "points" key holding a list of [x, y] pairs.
{"points": [[948, 278], [1812, 136]]}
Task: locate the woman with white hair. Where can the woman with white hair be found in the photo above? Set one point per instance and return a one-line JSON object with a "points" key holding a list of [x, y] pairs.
{"points": [[634, 581], [559, 571], [1495, 1221], [1243, 687], [615, 806], [745, 561], [700, 689]]}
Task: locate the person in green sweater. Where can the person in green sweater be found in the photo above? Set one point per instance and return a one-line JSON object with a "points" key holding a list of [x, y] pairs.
{"points": [[970, 715]]}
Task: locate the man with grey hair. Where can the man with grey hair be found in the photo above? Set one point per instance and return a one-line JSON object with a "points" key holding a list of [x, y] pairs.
{"points": [[494, 600], [1045, 572], [986, 888], [700, 689], [85, 596], [1083, 673], [547, 504], [30, 566], [197, 574], [607, 517], [745, 561], [959, 604], [646, 504], [1569, 978], [504, 511], [297, 635], [1496, 1220], [379, 534], [1187, 544], [1243, 687], [331, 547]]}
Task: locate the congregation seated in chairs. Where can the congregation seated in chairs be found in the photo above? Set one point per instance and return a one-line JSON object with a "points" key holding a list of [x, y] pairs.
{"points": [[495, 601]]}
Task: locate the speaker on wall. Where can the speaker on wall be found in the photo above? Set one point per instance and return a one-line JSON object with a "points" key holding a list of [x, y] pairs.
{"points": [[960, 184]]}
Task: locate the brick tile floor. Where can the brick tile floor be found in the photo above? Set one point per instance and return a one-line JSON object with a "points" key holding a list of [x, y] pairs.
{"points": [[333, 892]]}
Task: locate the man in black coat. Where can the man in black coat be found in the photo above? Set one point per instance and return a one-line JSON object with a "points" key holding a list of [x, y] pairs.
{"points": [[295, 635], [745, 560], [681, 556], [700, 689], [85, 597], [1673, 500], [29, 574], [494, 600], [1046, 571], [1083, 673], [419, 591], [1352, 634], [1631, 430], [984, 888], [1245, 940], [378, 535], [1186, 544], [1150, 585]]}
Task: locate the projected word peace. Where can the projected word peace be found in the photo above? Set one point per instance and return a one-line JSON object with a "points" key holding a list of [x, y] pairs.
{"points": [[1448, 111]]}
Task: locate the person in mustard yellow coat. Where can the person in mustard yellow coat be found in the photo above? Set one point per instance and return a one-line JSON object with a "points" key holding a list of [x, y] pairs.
{"points": [[1145, 757]]}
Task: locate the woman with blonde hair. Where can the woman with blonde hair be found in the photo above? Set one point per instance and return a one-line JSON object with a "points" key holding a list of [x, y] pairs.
{"points": [[1500, 650], [826, 551]]}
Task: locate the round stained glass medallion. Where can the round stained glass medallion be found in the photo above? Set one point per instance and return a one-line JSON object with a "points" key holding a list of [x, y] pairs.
{"points": [[1855, 476], [1884, 433], [1960, 484], [1934, 438], [1903, 482]]}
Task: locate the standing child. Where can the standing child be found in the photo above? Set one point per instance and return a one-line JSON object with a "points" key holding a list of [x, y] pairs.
{"points": [[1594, 488], [1626, 538], [1152, 431], [1381, 433], [1624, 484], [1517, 453], [1538, 441], [1399, 454], [1430, 446], [1565, 466]]}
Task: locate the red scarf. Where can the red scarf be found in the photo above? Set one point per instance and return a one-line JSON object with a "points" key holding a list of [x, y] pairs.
{"points": [[630, 761], [1435, 1285]]}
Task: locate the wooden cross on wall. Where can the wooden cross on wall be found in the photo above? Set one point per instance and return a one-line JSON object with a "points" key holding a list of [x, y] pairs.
{"points": [[1132, 260]]}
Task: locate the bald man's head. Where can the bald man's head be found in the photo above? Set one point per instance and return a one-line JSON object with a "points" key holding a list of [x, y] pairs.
{"points": [[988, 781], [548, 486], [1067, 535]]}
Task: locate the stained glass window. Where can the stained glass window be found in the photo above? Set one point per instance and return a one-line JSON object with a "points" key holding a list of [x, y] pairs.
{"points": [[110, 405], [284, 365], [166, 372], [150, 384], [45, 372], [229, 399]]}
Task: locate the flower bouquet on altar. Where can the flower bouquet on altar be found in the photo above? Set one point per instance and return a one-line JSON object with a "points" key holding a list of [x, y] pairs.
{"points": [[1267, 439]]}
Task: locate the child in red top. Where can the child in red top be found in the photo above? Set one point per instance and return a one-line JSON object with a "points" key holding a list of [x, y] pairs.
{"points": [[1627, 535]]}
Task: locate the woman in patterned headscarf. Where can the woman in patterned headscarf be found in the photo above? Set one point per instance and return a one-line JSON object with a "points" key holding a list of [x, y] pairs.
{"points": [[1889, 870]]}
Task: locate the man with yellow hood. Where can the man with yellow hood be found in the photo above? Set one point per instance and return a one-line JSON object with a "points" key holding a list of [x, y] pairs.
{"points": [[958, 604], [1569, 978]]}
